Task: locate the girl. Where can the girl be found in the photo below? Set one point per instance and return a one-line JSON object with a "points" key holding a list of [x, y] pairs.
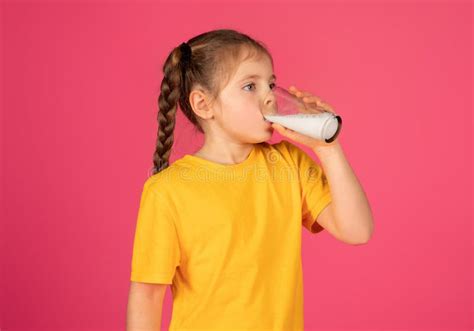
{"points": [[222, 226]]}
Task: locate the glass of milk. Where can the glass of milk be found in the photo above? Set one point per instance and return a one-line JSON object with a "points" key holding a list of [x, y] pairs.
{"points": [[317, 121]]}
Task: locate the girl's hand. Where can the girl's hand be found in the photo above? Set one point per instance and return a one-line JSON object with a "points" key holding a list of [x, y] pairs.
{"points": [[312, 102]]}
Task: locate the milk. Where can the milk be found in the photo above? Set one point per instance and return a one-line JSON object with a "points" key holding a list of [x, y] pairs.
{"points": [[322, 126]]}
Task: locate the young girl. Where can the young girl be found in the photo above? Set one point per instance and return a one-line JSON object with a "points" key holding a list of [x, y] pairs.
{"points": [[223, 226]]}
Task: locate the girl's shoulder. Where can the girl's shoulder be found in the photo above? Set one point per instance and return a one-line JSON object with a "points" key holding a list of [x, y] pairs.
{"points": [[163, 181], [280, 145], [283, 147], [290, 152]]}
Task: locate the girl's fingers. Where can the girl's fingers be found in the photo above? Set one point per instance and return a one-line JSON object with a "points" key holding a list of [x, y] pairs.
{"points": [[310, 98], [300, 94], [285, 131], [295, 91]]}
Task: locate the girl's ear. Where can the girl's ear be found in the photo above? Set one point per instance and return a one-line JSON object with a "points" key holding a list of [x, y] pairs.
{"points": [[200, 104]]}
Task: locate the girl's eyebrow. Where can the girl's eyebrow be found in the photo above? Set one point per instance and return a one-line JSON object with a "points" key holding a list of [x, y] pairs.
{"points": [[256, 76]]}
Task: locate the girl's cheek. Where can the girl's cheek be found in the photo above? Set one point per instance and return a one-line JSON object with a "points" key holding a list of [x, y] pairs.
{"points": [[252, 111], [246, 112]]}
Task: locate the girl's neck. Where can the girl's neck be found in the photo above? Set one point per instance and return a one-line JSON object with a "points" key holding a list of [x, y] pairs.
{"points": [[225, 152]]}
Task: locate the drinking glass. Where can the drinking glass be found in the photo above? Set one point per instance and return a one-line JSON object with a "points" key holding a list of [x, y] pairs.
{"points": [[315, 120]]}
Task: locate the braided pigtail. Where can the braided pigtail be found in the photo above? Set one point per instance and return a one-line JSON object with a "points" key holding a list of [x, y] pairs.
{"points": [[174, 71]]}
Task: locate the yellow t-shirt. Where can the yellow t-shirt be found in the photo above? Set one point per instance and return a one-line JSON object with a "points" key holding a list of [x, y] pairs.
{"points": [[228, 237]]}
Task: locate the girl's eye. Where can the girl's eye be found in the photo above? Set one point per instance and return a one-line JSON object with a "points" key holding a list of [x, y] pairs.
{"points": [[251, 84], [272, 85]]}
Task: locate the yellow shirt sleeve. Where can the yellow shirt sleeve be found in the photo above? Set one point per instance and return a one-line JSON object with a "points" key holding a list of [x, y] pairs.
{"points": [[315, 191], [156, 250]]}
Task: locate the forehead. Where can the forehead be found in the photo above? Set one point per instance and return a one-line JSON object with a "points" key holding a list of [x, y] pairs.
{"points": [[260, 67]]}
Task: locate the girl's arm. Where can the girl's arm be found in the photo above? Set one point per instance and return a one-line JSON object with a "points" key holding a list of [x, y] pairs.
{"points": [[349, 212], [348, 217], [145, 304]]}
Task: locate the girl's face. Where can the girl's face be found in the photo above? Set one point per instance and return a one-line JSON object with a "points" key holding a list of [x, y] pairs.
{"points": [[239, 110]]}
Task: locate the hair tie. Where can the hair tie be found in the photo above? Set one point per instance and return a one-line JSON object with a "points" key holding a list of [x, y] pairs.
{"points": [[186, 53]]}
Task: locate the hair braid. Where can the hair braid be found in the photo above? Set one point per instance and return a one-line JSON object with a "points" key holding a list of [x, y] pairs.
{"points": [[167, 104]]}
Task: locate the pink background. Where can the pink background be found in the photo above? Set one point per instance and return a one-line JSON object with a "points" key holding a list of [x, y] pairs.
{"points": [[80, 89]]}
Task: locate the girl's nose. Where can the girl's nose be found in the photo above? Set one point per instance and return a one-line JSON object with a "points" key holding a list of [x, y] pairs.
{"points": [[268, 104], [269, 98]]}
